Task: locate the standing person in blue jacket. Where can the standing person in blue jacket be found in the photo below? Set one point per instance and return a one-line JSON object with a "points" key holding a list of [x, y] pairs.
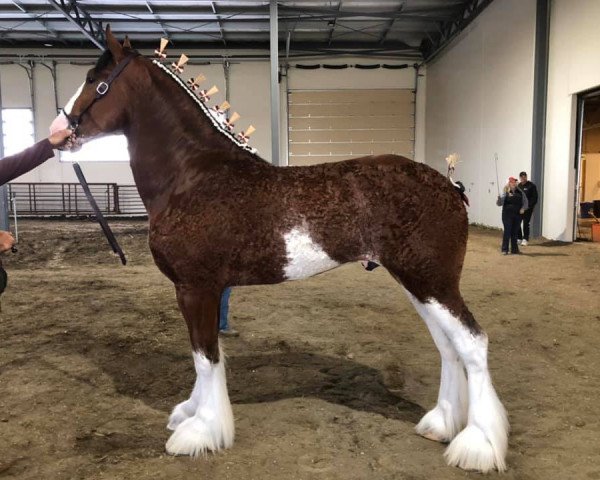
{"points": [[532, 197], [224, 328], [514, 203]]}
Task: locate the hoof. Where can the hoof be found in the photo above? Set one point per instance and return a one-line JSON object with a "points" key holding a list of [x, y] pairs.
{"points": [[472, 450], [196, 435], [192, 437], [439, 424]]}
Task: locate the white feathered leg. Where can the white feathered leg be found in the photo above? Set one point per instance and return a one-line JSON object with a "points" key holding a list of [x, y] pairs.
{"points": [[210, 427], [483, 443], [185, 409], [449, 416]]}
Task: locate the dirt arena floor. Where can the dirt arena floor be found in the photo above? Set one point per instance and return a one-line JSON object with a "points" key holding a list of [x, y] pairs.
{"points": [[327, 379]]}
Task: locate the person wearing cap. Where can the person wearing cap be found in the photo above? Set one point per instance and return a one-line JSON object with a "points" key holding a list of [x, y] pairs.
{"points": [[514, 203], [532, 197], [16, 165]]}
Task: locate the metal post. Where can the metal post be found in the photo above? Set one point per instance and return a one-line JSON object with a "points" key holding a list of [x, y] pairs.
{"points": [[226, 73], [578, 149], [4, 214], [29, 72], [416, 66], [274, 84], [52, 70], [14, 209], [540, 90]]}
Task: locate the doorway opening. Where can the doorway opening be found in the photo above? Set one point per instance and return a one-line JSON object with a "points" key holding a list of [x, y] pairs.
{"points": [[587, 164]]}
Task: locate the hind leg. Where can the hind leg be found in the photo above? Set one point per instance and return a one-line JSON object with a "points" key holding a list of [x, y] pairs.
{"points": [[483, 443], [449, 416]]}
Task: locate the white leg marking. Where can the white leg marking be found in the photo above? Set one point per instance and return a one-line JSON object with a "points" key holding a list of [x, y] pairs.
{"points": [[210, 427], [449, 416], [61, 122], [185, 409], [305, 257], [483, 443]]}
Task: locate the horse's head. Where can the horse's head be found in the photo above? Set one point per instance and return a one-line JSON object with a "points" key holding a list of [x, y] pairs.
{"points": [[99, 107]]}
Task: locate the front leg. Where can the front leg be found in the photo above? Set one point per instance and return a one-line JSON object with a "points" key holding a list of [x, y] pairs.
{"points": [[204, 421]]}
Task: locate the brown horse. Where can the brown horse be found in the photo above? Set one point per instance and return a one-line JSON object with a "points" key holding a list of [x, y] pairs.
{"points": [[221, 216]]}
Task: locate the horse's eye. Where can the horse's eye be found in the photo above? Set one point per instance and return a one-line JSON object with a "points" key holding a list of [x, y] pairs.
{"points": [[89, 79]]}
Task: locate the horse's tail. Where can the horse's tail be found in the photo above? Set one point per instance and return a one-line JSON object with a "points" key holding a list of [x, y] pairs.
{"points": [[452, 160]]}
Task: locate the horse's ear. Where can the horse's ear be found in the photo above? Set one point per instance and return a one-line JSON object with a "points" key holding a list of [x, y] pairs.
{"points": [[113, 45], [126, 42]]}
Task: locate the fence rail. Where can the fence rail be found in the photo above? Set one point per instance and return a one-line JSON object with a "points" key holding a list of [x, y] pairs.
{"points": [[49, 199]]}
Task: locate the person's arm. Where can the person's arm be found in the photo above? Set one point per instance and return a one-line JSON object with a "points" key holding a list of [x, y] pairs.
{"points": [[500, 199], [534, 196], [524, 201], [16, 165]]}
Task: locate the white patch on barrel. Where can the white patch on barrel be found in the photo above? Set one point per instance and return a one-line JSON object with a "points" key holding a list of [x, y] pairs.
{"points": [[305, 257]]}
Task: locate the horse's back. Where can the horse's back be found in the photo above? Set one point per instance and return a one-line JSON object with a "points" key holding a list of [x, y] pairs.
{"points": [[392, 184], [375, 204]]}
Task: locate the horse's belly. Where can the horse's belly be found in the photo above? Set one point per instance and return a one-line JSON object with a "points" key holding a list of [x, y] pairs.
{"points": [[305, 257]]}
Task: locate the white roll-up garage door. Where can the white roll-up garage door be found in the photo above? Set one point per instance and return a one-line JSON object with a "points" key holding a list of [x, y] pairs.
{"points": [[333, 125]]}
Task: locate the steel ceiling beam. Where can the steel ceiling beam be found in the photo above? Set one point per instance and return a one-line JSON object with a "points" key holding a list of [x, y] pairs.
{"points": [[32, 16], [389, 26], [156, 19], [186, 42], [214, 9], [333, 13], [450, 30], [82, 20], [440, 13], [359, 30], [333, 22], [434, 13], [146, 17], [244, 26]]}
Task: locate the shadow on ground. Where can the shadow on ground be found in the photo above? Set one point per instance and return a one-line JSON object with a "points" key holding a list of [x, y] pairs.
{"points": [[162, 378]]}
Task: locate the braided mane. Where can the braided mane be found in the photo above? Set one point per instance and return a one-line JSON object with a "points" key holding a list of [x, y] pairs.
{"points": [[205, 110]]}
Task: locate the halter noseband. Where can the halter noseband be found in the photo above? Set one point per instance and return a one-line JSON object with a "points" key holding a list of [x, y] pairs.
{"points": [[101, 90]]}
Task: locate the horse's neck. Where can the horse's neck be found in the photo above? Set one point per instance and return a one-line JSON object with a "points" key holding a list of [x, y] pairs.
{"points": [[168, 137]]}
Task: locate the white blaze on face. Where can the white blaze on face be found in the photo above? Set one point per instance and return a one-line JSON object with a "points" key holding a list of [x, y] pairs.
{"points": [[71, 102], [61, 122], [305, 257]]}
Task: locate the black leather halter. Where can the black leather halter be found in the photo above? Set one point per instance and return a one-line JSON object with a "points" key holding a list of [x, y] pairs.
{"points": [[101, 90]]}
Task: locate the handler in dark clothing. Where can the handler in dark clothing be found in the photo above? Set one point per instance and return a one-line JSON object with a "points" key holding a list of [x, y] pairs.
{"points": [[21, 163], [513, 202], [532, 197]]}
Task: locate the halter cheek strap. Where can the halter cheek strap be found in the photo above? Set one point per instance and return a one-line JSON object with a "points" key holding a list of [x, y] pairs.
{"points": [[101, 90]]}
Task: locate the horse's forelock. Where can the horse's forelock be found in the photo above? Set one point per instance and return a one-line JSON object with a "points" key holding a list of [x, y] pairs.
{"points": [[103, 61], [107, 58]]}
